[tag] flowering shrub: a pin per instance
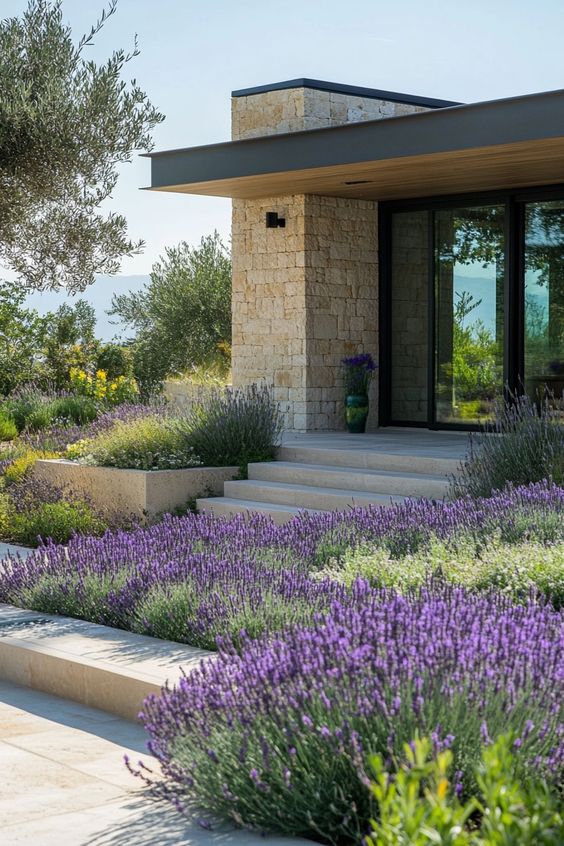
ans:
(533, 511)
(235, 426)
(147, 443)
(276, 736)
(230, 427)
(32, 510)
(169, 582)
(99, 387)
(59, 435)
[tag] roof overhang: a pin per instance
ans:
(514, 142)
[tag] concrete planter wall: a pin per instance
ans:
(126, 493)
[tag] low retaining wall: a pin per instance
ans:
(139, 493)
(98, 666)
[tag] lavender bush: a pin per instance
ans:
(163, 581)
(233, 427)
(192, 578)
(524, 443)
(276, 736)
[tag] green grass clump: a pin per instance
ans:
(8, 428)
(57, 521)
(150, 443)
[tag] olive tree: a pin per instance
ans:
(66, 124)
(182, 317)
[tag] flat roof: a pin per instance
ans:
(351, 90)
(493, 144)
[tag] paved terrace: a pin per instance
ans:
(395, 441)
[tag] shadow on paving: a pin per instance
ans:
(73, 715)
(151, 822)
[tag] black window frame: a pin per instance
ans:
(514, 291)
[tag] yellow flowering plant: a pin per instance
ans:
(98, 387)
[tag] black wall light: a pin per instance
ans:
(273, 221)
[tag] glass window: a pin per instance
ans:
(469, 312)
(544, 299)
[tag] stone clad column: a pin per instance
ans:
(306, 295)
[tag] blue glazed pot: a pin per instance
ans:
(356, 412)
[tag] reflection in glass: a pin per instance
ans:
(469, 312)
(544, 299)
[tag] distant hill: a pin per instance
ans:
(99, 295)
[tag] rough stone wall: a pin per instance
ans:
(304, 297)
(341, 277)
(295, 109)
(269, 309)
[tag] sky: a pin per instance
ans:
(195, 52)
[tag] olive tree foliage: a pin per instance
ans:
(66, 124)
(182, 317)
(22, 332)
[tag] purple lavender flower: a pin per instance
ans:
(357, 373)
(363, 360)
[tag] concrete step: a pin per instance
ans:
(370, 459)
(223, 506)
(309, 497)
(359, 480)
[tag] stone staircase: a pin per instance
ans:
(307, 478)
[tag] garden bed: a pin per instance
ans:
(121, 493)
(347, 643)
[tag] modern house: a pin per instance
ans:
(427, 232)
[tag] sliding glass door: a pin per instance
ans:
(472, 302)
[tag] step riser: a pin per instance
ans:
(369, 460)
(303, 497)
(357, 481)
(227, 509)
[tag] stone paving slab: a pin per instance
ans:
(11, 549)
(97, 665)
(64, 782)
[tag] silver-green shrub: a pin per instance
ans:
(149, 443)
(515, 569)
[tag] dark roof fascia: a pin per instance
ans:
(351, 90)
(526, 118)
